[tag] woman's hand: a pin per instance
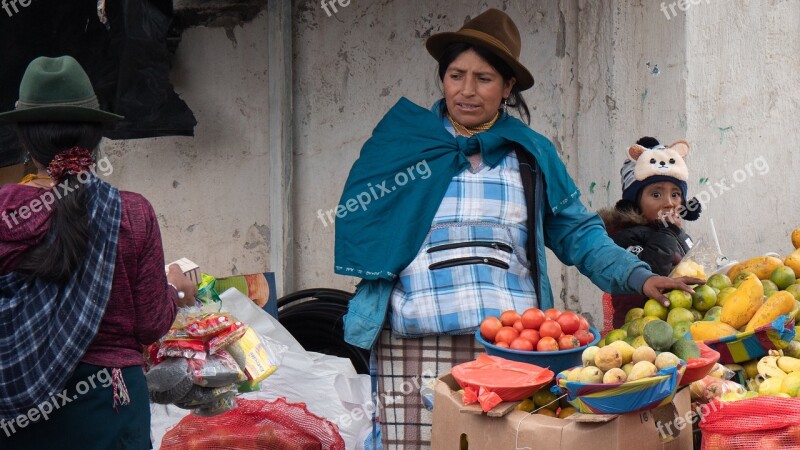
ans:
(655, 285)
(183, 284)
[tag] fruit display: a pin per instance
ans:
(546, 403)
(536, 330)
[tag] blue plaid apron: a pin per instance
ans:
(473, 261)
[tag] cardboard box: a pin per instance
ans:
(520, 430)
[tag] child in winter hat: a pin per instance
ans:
(648, 220)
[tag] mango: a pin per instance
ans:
(761, 266)
(793, 261)
(709, 331)
(742, 305)
(777, 304)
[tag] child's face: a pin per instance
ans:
(659, 200)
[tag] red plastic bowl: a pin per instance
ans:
(511, 380)
(697, 368)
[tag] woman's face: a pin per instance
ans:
(473, 89)
(660, 200)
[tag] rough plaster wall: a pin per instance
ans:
(743, 109)
(350, 68)
(210, 191)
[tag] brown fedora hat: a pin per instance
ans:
(495, 31)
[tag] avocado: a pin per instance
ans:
(685, 349)
(658, 335)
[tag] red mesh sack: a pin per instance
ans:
(608, 314)
(255, 424)
(754, 423)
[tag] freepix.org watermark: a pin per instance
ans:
(668, 8)
(42, 411)
(8, 5)
(332, 5)
(375, 192)
(758, 166)
(49, 197)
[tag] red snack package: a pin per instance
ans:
(227, 337)
(208, 324)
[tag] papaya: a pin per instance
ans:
(708, 331)
(761, 266)
(793, 261)
(742, 305)
(777, 304)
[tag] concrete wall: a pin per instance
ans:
(210, 191)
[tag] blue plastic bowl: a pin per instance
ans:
(555, 361)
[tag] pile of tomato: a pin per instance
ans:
(537, 330)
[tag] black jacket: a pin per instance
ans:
(661, 247)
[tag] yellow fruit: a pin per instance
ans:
(791, 384)
(627, 369)
(633, 314)
(625, 350)
(788, 364)
(638, 341)
(704, 298)
(543, 397)
(587, 357)
(750, 369)
(642, 369)
(679, 315)
(724, 295)
(644, 354)
(761, 266)
(615, 335)
(783, 277)
(688, 268)
(574, 374)
(566, 412)
(777, 304)
(743, 304)
(525, 405)
(653, 307)
(719, 281)
(794, 290)
(666, 359)
(796, 238)
(608, 357)
(614, 375)
(591, 374)
(679, 299)
(707, 331)
(793, 261)
(546, 412)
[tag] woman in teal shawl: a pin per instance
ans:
(438, 220)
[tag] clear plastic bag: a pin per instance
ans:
(217, 370)
(701, 261)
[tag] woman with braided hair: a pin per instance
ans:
(82, 282)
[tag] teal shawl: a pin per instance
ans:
(395, 187)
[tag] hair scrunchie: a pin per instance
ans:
(70, 162)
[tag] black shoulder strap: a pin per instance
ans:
(532, 184)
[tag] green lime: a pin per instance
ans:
(697, 314)
(769, 287)
(719, 281)
(680, 329)
(679, 299)
(794, 290)
(704, 298)
(633, 314)
(616, 335)
(679, 315)
(782, 276)
(724, 294)
(545, 398)
(654, 308)
(638, 341)
(712, 315)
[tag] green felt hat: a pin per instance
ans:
(56, 90)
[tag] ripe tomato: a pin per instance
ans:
(569, 321)
(521, 343)
(584, 323)
(509, 317)
(532, 318)
(568, 341)
(501, 344)
(506, 334)
(550, 328)
(518, 326)
(547, 344)
(531, 335)
(584, 336)
(489, 328)
(552, 313)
